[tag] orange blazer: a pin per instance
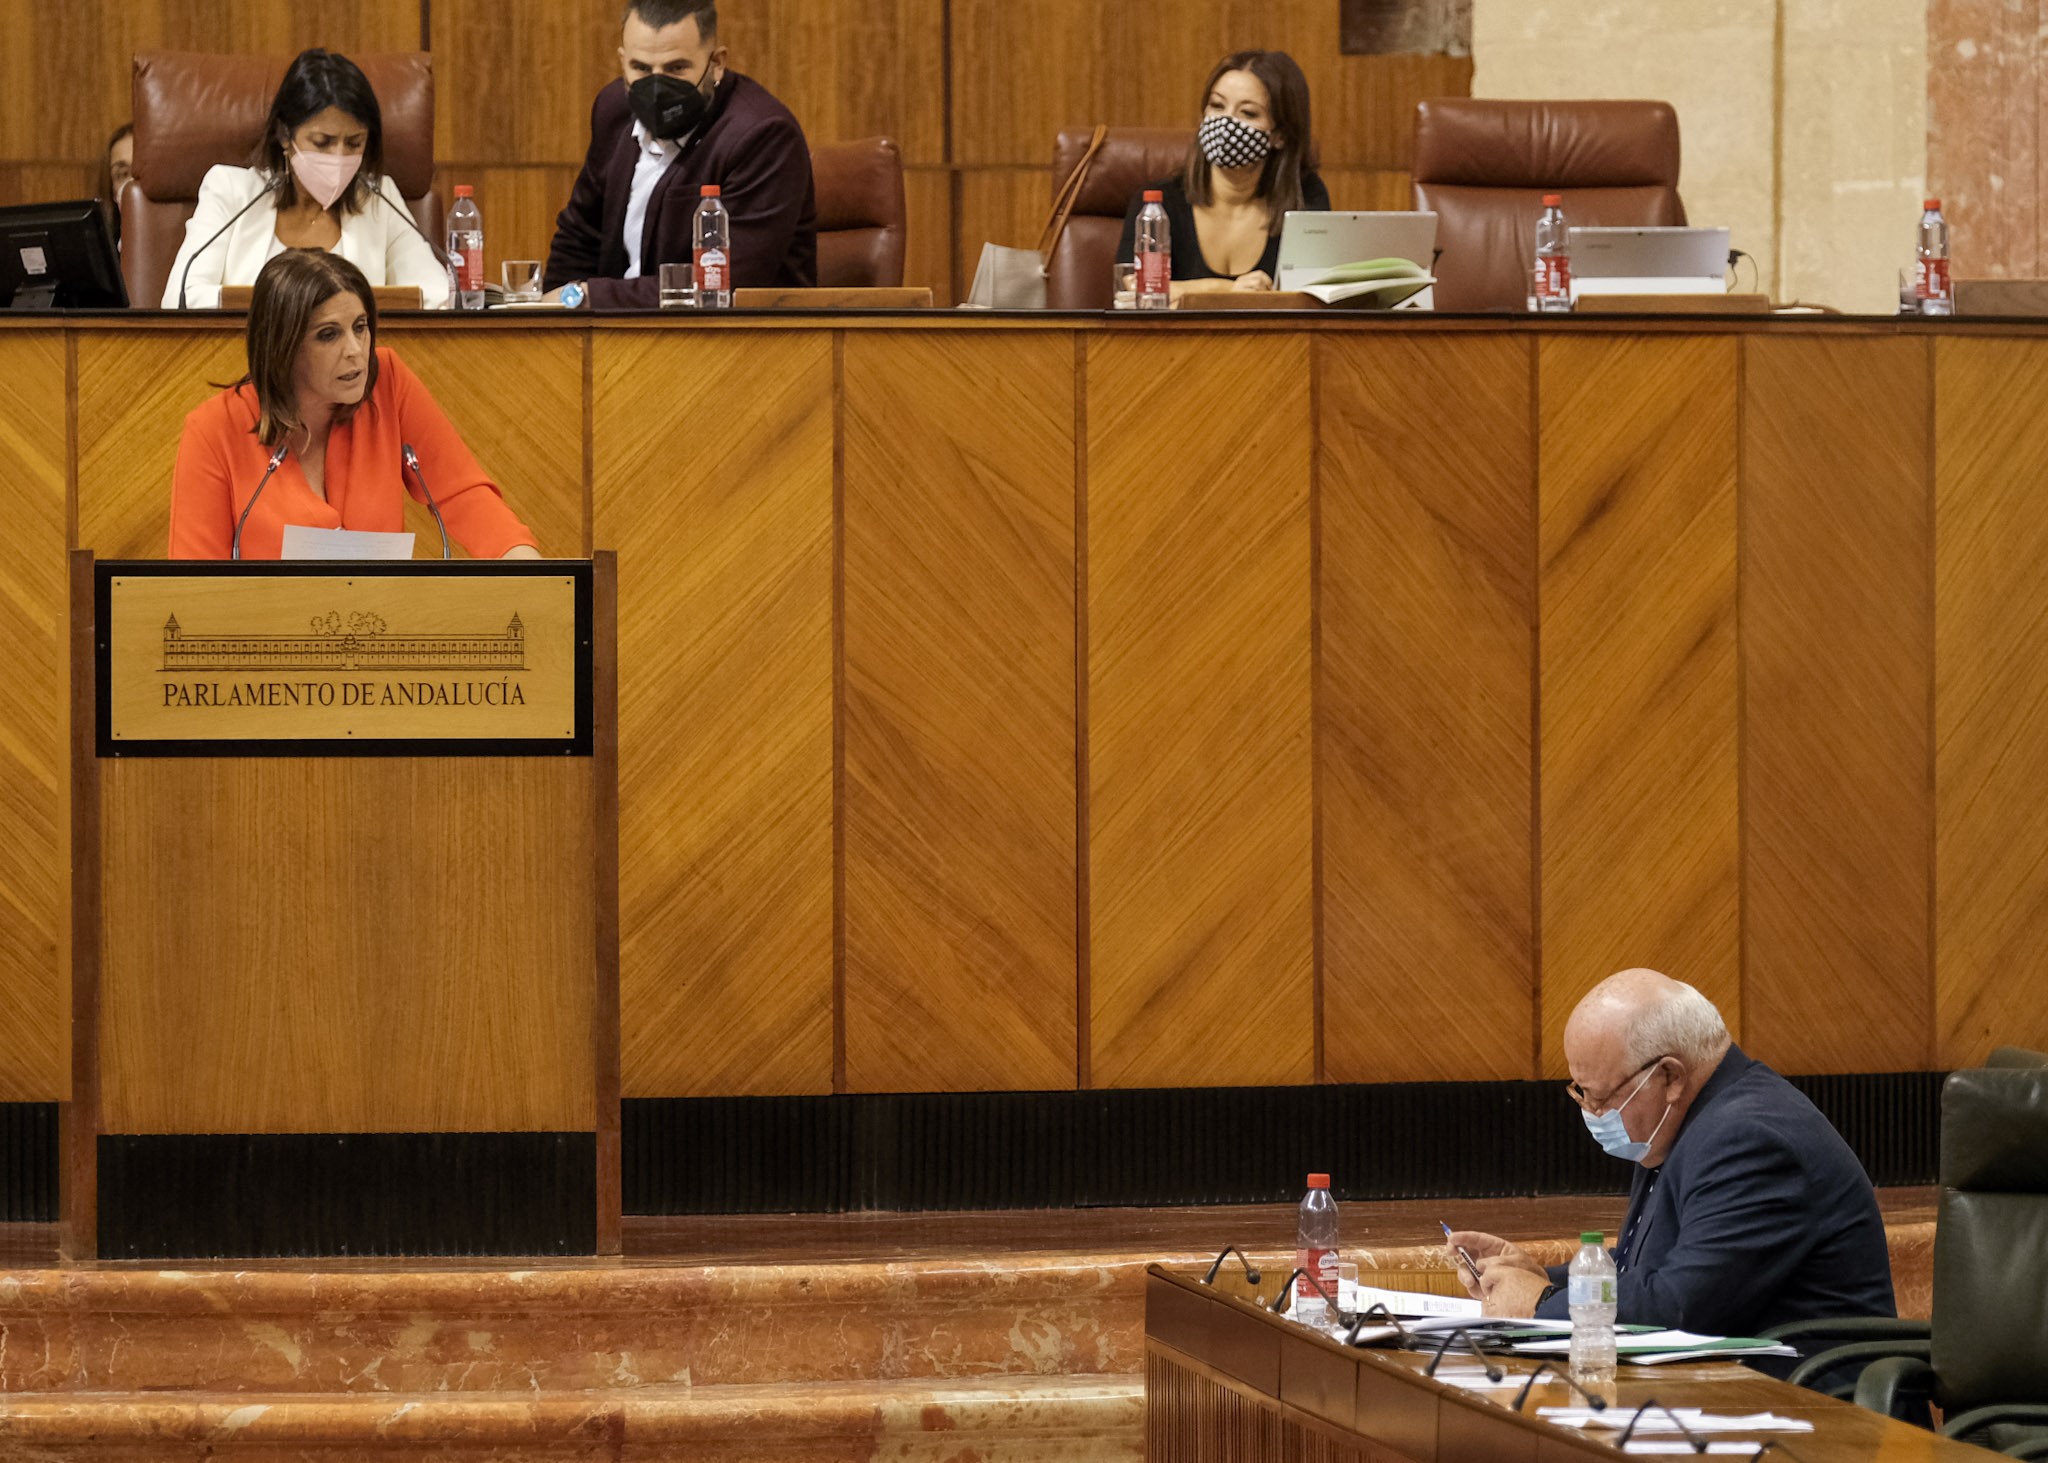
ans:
(220, 463)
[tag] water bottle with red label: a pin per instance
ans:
(1930, 269)
(1153, 254)
(466, 250)
(1553, 257)
(711, 257)
(1315, 1254)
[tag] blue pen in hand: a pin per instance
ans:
(1462, 1253)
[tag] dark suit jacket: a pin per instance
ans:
(751, 147)
(1760, 1215)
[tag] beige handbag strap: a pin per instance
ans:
(1069, 194)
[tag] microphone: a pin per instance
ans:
(412, 462)
(1251, 1275)
(1377, 1312)
(1493, 1373)
(186, 278)
(1286, 1296)
(1598, 1404)
(1699, 1444)
(276, 459)
(410, 222)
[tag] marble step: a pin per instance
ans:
(1082, 1419)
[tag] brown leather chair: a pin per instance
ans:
(194, 112)
(1078, 277)
(862, 221)
(1483, 167)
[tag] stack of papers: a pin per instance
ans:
(1653, 1348)
(1375, 283)
(1657, 1420)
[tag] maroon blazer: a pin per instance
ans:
(751, 147)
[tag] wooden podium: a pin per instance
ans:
(344, 928)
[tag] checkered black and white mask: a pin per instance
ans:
(1229, 143)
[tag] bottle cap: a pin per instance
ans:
(1592, 1237)
(1319, 1181)
(463, 190)
(1932, 205)
(709, 190)
(1153, 195)
(1553, 200)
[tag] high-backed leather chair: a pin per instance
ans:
(862, 228)
(1983, 1355)
(194, 112)
(1483, 167)
(1078, 277)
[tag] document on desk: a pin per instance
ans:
(1654, 1348)
(348, 544)
(1454, 1310)
(1657, 1420)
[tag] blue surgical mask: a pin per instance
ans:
(1611, 1133)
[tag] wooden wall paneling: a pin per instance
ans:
(1201, 829)
(46, 182)
(714, 480)
(1370, 189)
(1991, 696)
(135, 389)
(960, 712)
(928, 256)
(34, 764)
(1637, 699)
(481, 935)
(1837, 654)
(850, 71)
(1006, 206)
(517, 399)
(1424, 706)
(513, 84)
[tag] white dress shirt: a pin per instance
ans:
(377, 241)
(656, 154)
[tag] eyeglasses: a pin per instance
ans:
(1579, 1095)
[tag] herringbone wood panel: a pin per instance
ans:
(34, 1005)
(714, 480)
(135, 389)
(1200, 748)
(959, 803)
(1424, 706)
(1837, 653)
(522, 418)
(1991, 697)
(1638, 691)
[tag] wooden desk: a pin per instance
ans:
(1032, 703)
(1224, 1379)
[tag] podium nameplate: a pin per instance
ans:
(425, 659)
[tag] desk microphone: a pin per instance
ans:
(1699, 1444)
(1598, 1404)
(1377, 1311)
(1286, 1296)
(412, 463)
(186, 278)
(410, 222)
(276, 459)
(1251, 1275)
(1461, 1335)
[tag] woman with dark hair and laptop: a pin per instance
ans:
(316, 181)
(1253, 163)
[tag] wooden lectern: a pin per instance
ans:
(344, 938)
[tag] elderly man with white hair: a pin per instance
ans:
(1748, 1210)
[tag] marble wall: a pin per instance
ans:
(1804, 121)
(1985, 103)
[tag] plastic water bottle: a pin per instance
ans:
(1553, 257)
(1930, 270)
(1315, 1252)
(1590, 1290)
(711, 251)
(466, 249)
(1153, 255)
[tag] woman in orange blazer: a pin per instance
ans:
(336, 414)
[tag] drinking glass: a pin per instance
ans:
(1124, 286)
(521, 278)
(678, 287)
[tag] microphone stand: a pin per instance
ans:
(1486, 1363)
(412, 223)
(1286, 1296)
(412, 462)
(1699, 1444)
(276, 459)
(186, 278)
(1377, 1312)
(1598, 1404)
(1250, 1274)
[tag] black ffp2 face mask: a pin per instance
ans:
(668, 107)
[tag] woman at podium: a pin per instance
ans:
(326, 431)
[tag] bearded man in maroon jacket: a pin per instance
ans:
(677, 119)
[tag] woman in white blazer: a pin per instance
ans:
(317, 181)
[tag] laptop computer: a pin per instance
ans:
(1313, 244)
(1649, 261)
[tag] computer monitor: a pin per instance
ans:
(59, 256)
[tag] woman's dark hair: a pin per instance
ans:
(1287, 165)
(110, 202)
(289, 290)
(316, 81)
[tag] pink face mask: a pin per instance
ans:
(325, 175)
